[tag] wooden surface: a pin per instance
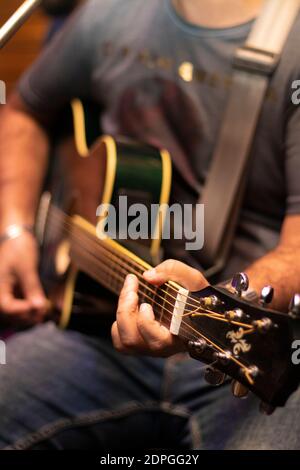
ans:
(24, 46)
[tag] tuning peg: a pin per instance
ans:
(240, 283)
(214, 377)
(235, 314)
(239, 390)
(253, 371)
(294, 308)
(223, 357)
(266, 295)
(263, 325)
(198, 346)
(211, 302)
(266, 409)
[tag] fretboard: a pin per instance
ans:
(109, 263)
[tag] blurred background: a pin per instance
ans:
(41, 26)
(21, 50)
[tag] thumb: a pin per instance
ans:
(156, 336)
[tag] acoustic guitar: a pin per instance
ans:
(83, 269)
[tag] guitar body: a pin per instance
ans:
(89, 173)
(86, 254)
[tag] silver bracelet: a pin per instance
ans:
(15, 231)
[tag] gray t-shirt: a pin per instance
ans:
(163, 81)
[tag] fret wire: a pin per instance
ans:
(169, 313)
(127, 260)
(175, 290)
(210, 341)
(116, 274)
(191, 333)
(113, 256)
(162, 296)
(197, 303)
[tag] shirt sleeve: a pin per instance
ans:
(292, 162)
(63, 70)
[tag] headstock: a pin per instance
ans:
(246, 341)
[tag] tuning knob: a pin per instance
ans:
(240, 283)
(266, 409)
(211, 302)
(239, 390)
(266, 295)
(263, 325)
(223, 357)
(198, 346)
(236, 314)
(294, 308)
(214, 376)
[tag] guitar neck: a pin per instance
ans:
(220, 328)
(109, 263)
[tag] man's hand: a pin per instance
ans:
(136, 331)
(24, 146)
(22, 300)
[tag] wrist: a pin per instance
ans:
(15, 218)
(14, 231)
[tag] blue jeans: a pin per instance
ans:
(65, 390)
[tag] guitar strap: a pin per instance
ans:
(254, 64)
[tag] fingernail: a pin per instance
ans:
(151, 273)
(128, 279)
(38, 302)
(144, 308)
(147, 312)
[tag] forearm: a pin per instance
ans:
(281, 267)
(23, 161)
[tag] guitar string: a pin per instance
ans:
(199, 311)
(170, 313)
(209, 341)
(108, 270)
(107, 267)
(196, 301)
(103, 246)
(196, 335)
(113, 273)
(196, 305)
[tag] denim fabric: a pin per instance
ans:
(64, 390)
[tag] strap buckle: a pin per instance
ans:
(254, 60)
